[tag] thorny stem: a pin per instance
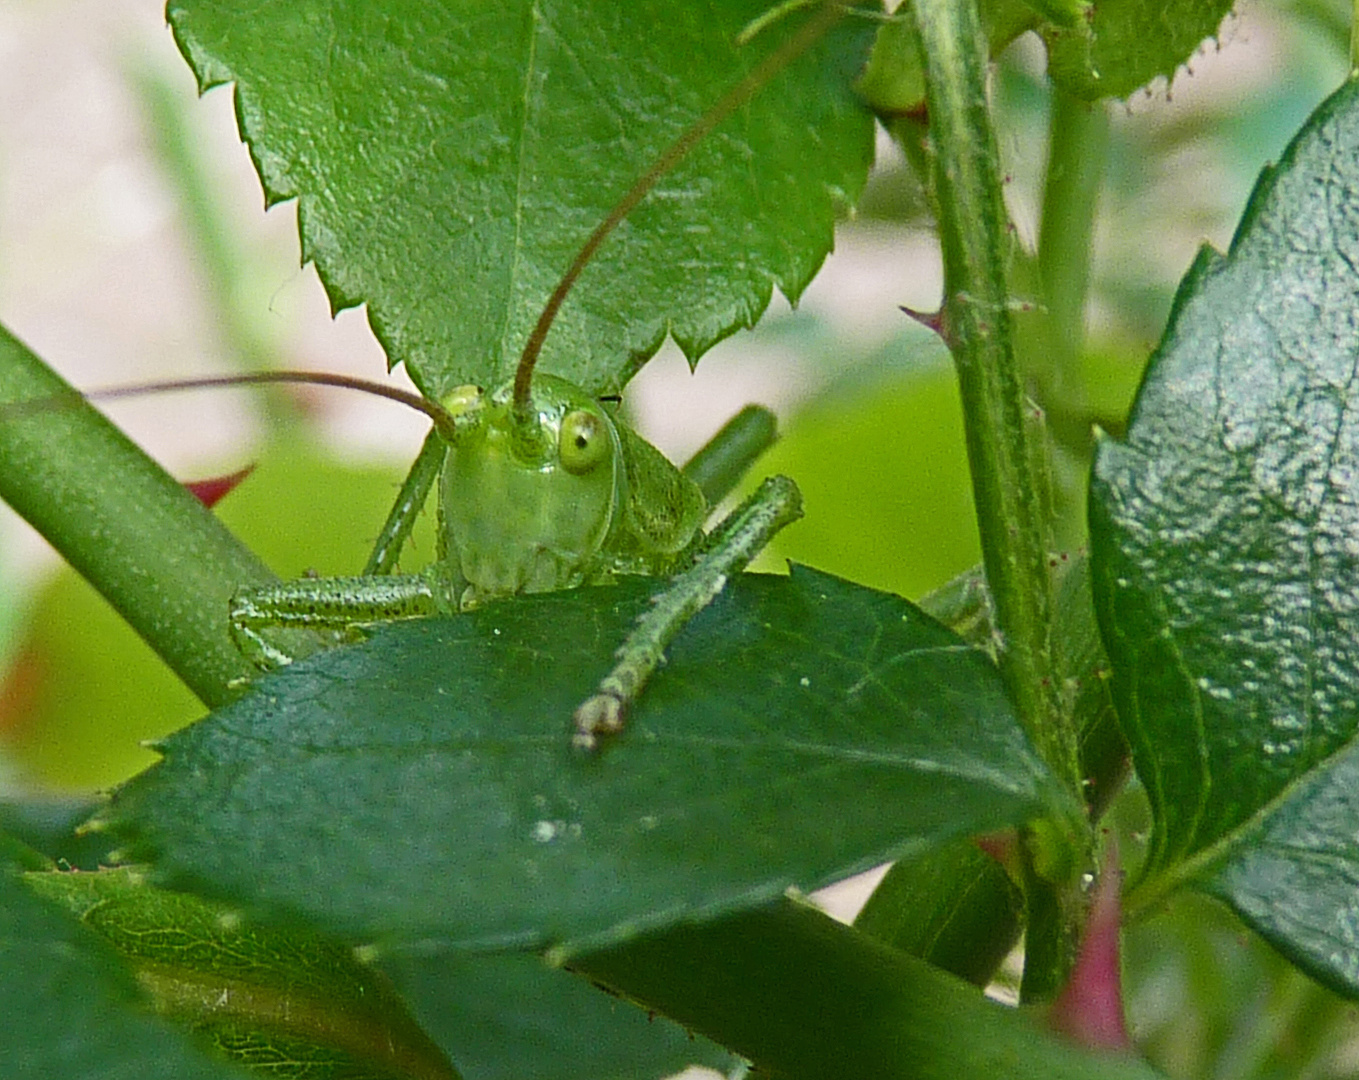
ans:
(1007, 493)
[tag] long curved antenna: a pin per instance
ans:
(443, 419)
(733, 99)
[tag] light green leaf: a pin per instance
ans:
(1124, 44)
(803, 729)
(449, 159)
(1225, 566)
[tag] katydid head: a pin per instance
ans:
(518, 514)
(541, 489)
(530, 519)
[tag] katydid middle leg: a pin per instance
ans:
(338, 604)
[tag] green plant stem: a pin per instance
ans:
(1354, 37)
(976, 324)
(807, 998)
(161, 559)
(1078, 136)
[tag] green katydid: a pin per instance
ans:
(541, 487)
(571, 497)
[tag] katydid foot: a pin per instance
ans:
(777, 502)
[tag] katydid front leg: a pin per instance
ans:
(729, 549)
(420, 481)
(461, 405)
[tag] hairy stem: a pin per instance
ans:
(1007, 491)
(163, 561)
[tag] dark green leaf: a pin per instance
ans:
(449, 159)
(511, 1016)
(1127, 43)
(803, 729)
(808, 998)
(68, 1009)
(51, 826)
(16, 854)
(1084, 670)
(1226, 567)
(292, 1003)
(955, 907)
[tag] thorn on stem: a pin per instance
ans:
(918, 113)
(214, 489)
(930, 320)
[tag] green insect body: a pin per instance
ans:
(563, 496)
(586, 500)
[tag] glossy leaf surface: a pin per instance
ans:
(510, 1016)
(808, 998)
(1226, 569)
(955, 907)
(803, 729)
(450, 159)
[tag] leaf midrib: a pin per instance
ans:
(1148, 895)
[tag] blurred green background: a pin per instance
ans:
(133, 244)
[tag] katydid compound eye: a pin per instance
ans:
(462, 399)
(583, 442)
